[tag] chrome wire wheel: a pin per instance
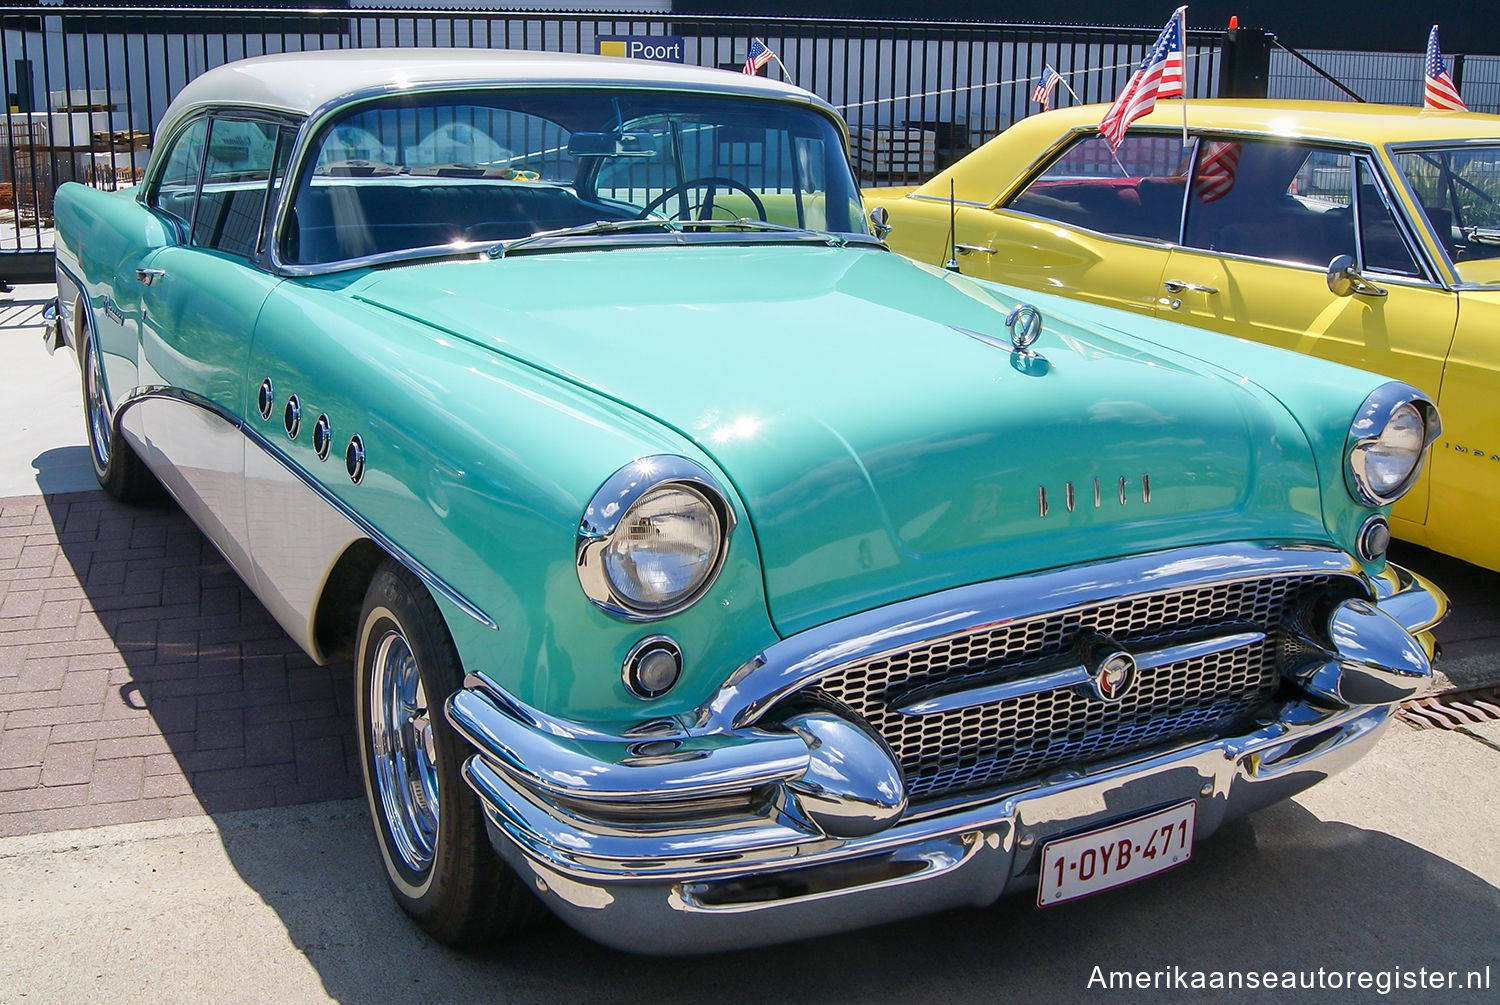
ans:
(440, 866)
(96, 407)
(404, 756)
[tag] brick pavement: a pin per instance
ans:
(140, 679)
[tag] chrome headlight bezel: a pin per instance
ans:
(607, 511)
(1371, 423)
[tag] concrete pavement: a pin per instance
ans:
(42, 447)
(1391, 865)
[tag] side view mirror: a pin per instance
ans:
(880, 222)
(1344, 279)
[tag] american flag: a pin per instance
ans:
(1162, 68)
(758, 57)
(1439, 91)
(1216, 168)
(1045, 85)
(1171, 71)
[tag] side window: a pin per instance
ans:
(178, 183)
(1279, 201)
(1137, 192)
(1382, 248)
(243, 157)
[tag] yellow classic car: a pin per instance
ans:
(1366, 234)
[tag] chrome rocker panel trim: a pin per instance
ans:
(708, 831)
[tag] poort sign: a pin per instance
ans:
(661, 48)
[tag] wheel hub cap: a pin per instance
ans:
(404, 753)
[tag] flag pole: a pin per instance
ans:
(780, 65)
(1182, 32)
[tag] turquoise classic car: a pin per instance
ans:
(713, 575)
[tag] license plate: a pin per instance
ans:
(1113, 856)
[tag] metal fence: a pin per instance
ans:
(87, 86)
(1393, 78)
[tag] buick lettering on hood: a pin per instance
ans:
(712, 575)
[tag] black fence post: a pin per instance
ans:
(1245, 66)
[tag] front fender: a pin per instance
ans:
(479, 468)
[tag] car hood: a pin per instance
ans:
(880, 449)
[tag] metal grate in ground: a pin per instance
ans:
(1453, 709)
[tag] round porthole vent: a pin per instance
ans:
(267, 399)
(291, 417)
(322, 436)
(354, 459)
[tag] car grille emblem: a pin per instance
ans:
(1112, 670)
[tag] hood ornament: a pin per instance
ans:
(1025, 324)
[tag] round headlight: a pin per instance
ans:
(1389, 439)
(653, 538)
(664, 549)
(1391, 457)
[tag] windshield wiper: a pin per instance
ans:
(663, 223)
(597, 227)
(746, 223)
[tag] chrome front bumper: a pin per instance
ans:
(694, 837)
(52, 333)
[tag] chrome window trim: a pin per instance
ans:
(796, 662)
(613, 500)
(279, 117)
(151, 184)
(1369, 422)
(366, 528)
(315, 121)
(941, 199)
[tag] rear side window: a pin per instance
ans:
(177, 186)
(1135, 192)
(243, 158)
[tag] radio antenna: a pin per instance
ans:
(952, 263)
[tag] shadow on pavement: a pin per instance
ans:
(1281, 891)
(63, 469)
(208, 698)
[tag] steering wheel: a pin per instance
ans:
(704, 210)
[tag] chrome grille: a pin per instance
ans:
(1020, 737)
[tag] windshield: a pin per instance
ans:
(441, 170)
(1459, 189)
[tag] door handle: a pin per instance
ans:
(969, 249)
(1178, 286)
(149, 276)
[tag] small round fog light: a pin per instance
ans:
(652, 667)
(1374, 538)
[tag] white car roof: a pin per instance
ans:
(300, 83)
